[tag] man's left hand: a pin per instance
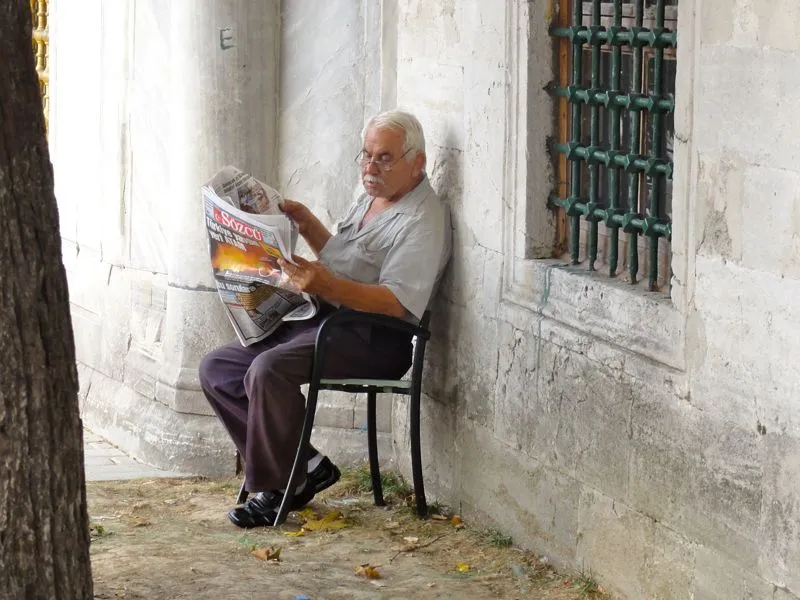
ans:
(310, 277)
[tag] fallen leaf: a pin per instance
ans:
(438, 517)
(391, 525)
(378, 584)
(141, 523)
(368, 571)
(463, 567)
(268, 553)
(298, 533)
(431, 584)
(457, 522)
(411, 540)
(333, 520)
(307, 514)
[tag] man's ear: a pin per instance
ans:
(419, 163)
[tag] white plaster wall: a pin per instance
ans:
(322, 97)
(661, 453)
(331, 82)
(146, 106)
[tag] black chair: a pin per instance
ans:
(372, 387)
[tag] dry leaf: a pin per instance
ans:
(411, 540)
(368, 571)
(268, 553)
(463, 567)
(391, 525)
(297, 533)
(141, 522)
(457, 522)
(333, 520)
(307, 514)
(438, 517)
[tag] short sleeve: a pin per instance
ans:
(411, 267)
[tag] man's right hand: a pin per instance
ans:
(309, 226)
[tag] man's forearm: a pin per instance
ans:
(316, 236)
(364, 297)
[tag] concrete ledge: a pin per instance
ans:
(151, 432)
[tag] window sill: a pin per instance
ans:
(613, 312)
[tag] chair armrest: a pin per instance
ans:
(343, 317)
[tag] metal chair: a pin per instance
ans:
(372, 387)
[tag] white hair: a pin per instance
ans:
(414, 141)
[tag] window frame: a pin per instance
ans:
(649, 218)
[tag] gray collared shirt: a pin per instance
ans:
(405, 248)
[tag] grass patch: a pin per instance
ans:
(97, 532)
(357, 481)
(391, 483)
(495, 537)
(585, 584)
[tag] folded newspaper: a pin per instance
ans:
(247, 234)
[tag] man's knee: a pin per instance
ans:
(274, 365)
(209, 365)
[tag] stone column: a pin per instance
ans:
(149, 99)
(223, 103)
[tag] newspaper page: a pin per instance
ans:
(247, 234)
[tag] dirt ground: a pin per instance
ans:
(170, 538)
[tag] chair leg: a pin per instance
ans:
(372, 441)
(243, 493)
(416, 456)
(300, 457)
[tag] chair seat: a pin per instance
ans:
(382, 384)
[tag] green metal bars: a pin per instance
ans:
(618, 168)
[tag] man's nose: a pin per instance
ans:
(372, 168)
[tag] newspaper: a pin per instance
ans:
(247, 234)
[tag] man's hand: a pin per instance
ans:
(308, 225)
(314, 278)
(299, 213)
(311, 277)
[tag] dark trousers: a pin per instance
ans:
(255, 390)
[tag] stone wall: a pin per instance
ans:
(335, 74)
(148, 100)
(146, 105)
(653, 440)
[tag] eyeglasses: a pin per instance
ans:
(363, 159)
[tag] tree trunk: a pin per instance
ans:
(44, 534)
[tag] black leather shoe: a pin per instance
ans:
(258, 511)
(324, 476)
(262, 508)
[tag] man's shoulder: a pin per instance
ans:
(427, 201)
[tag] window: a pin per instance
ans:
(39, 10)
(613, 150)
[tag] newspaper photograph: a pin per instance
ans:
(247, 234)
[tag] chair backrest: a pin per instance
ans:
(419, 342)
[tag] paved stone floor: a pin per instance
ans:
(105, 462)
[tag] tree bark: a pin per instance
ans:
(44, 534)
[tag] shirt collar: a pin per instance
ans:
(408, 204)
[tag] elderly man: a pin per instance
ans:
(386, 257)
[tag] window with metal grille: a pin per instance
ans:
(613, 150)
(41, 40)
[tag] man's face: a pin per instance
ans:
(386, 146)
